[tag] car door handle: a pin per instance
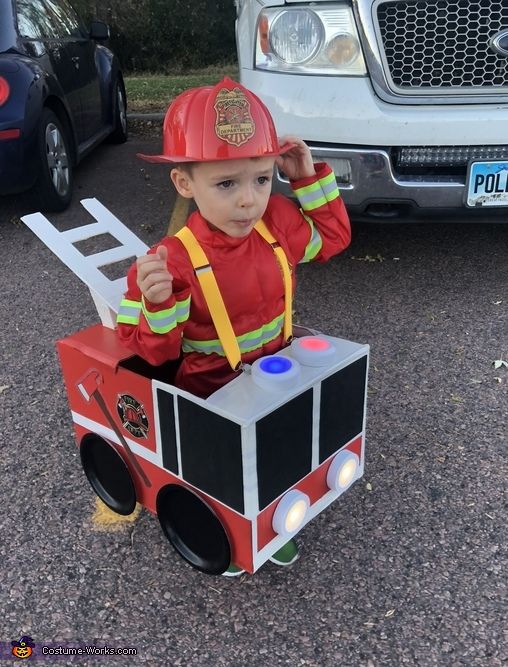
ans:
(75, 60)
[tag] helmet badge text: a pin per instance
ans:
(234, 123)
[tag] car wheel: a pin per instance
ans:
(120, 131)
(53, 189)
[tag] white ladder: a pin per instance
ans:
(106, 293)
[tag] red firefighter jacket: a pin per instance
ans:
(249, 279)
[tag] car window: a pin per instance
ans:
(48, 19)
(67, 21)
(34, 21)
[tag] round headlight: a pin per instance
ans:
(290, 513)
(342, 50)
(343, 471)
(296, 36)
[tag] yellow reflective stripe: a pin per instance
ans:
(247, 342)
(128, 312)
(307, 189)
(204, 346)
(310, 206)
(329, 187)
(311, 196)
(164, 321)
(314, 245)
(260, 336)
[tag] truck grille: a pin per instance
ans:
(443, 44)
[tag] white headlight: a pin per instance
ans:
(290, 513)
(343, 471)
(321, 40)
(295, 36)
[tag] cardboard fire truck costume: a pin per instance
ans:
(232, 477)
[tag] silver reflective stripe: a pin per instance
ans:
(205, 347)
(163, 321)
(128, 312)
(330, 190)
(312, 200)
(314, 245)
(247, 342)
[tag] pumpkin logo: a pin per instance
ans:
(24, 648)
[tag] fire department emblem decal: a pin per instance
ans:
(132, 415)
(234, 123)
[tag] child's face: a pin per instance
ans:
(231, 195)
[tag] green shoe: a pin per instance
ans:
(233, 571)
(286, 555)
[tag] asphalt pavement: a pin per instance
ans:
(407, 569)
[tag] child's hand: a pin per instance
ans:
(154, 279)
(297, 162)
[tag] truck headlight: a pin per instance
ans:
(295, 36)
(343, 471)
(290, 513)
(309, 41)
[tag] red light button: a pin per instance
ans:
(312, 350)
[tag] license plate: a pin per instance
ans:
(487, 184)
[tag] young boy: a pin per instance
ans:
(222, 146)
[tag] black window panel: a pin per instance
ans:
(284, 447)
(211, 449)
(342, 406)
(165, 401)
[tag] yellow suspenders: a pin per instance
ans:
(263, 231)
(213, 298)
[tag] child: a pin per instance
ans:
(222, 146)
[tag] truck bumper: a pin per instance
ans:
(371, 189)
(341, 118)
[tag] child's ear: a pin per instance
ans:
(182, 182)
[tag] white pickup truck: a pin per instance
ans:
(406, 99)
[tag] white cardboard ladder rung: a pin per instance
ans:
(106, 293)
(84, 232)
(110, 256)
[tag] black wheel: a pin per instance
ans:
(120, 131)
(53, 189)
(108, 474)
(193, 529)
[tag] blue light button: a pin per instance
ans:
(276, 373)
(275, 365)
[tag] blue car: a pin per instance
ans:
(61, 94)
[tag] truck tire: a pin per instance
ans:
(193, 529)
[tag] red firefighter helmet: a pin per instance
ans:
(222, 122)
